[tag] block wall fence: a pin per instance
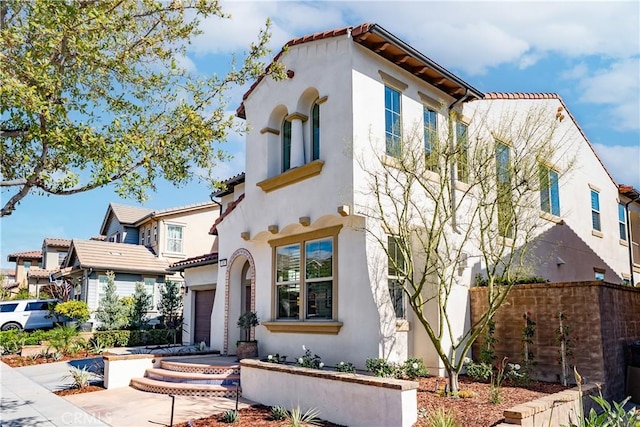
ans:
(603, 319)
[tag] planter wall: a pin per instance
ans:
(120, 369)
(603, 319)
(347, 399)
(558, 409)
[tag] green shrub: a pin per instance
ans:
(346, 367)
(480, 372)
(440, 418)
(11, 342)
(62, 338)
(278, 413)
(80, 378)
(75, 310)
(414, 368)
(379, 367)
(230, 416)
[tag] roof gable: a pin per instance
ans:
(383, 43)
(101, 255)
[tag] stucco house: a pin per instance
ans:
(291, 242)
(25, 261)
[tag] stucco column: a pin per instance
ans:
(297, 139)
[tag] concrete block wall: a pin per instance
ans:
(602, 318)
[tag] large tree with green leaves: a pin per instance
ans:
(93, 93)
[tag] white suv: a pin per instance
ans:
(27, 314)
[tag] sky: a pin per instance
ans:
(587, 52)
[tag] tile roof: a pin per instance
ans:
(229, 184)
(230, 207)
(177, 210)
(57, 242)
(116, 256)
(40, 273)
(25, 255)
(10, 285)
(629, 191)
(196, 261)
(526, 95)
(129, 214)
(385, 44)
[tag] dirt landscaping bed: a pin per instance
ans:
(476, 411)
(16, 361)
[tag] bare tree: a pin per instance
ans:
(445, 204)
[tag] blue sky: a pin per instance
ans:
(587, 52)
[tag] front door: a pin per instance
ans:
(202, 316)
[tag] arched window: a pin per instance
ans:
(315, 132)
(286, 145)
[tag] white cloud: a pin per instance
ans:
(622, 162)
(618, 87)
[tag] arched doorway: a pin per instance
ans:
(240, 295)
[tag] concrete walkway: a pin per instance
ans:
(26, 403)
(27, 400)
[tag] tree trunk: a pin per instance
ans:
(453, 381)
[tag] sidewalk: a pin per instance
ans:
(27, 400)
(26, 403)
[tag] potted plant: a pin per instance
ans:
(77, 313)
(246, 346)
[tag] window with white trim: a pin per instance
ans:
(595, 210)
(462, 151)
(622, 222)
(175, 235)
(150, 289)
(392, 121)
(396, 273)
(549, 192)
(430, 138)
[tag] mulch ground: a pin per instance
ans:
(16, 361)
(476, 411)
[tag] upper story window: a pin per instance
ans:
(396, 273)
(175, 235)
(595, 210)
(155, 234)
(430, 139)
(148, 236)
(462, 149)
(115, 237)
(315, 132)
(305, 279)
(504, 195)
(286, 145)
(61, 257)
(622, 221)
(392, 121)
(549, 193)
(26, 265)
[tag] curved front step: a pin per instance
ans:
(191, 377)
(184, 389)
(200, 368)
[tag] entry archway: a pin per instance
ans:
(240, 294)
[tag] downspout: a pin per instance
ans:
(452, 173)
(629, 240)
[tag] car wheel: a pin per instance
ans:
(11, 326)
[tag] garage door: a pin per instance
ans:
(203, 307)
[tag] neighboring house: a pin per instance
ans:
(54, 252)
(25, 261)
(138, 245)
(9, 284)
(629, 231)
(291, 242)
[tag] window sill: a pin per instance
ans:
(326, 328)
(623, 243)
(551, 217)
(292, 176)
(597, 233)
